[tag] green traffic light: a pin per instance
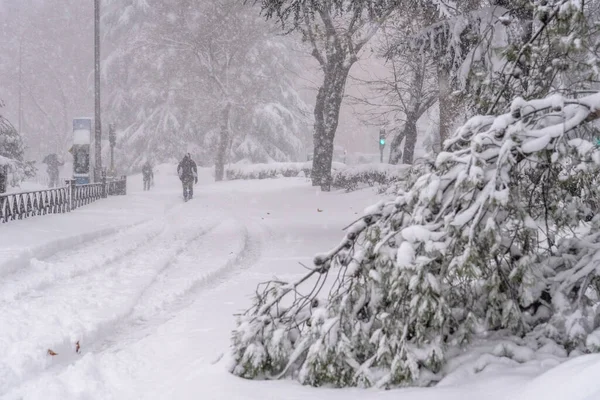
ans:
(382, 141)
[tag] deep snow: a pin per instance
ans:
(148, 286)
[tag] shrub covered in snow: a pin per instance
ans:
(272, 170)
(500, 236)
(344, 177)
(351, 177)
(264, 171)
(12, 152)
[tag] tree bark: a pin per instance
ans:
(447, 105)
(410, 130)
(409, 133)
(223, 144)
(327, 111)
(417, 105)
(317, 171)
(396, 149)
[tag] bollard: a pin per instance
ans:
(123, 184)
(104, 187)
(70, 183)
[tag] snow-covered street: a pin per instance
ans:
(147, 286)
(146, 281)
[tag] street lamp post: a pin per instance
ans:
(98, 116)
(21, 85)
(112, 136)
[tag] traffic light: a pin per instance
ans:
(381, 144)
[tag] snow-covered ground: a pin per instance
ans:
(147, 286)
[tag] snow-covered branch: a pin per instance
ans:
(496, 237)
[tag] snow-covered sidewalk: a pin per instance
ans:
(147, 286)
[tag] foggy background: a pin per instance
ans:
(46, 76)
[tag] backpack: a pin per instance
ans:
(146, 170)
(187, 168)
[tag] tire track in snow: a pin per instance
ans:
(16, 263)
(145, 317)
(23, 344)
(91, 251)
(12, 265)
(41, 274)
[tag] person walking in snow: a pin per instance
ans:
(148, 175)
(54, 164)
(188, 174)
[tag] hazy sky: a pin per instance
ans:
(41, 105)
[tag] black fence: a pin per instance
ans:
(14, 206)
(117, 187)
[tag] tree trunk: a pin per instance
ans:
(317, 171)
(66, 123)
(410, 130)
(417, 105)
(396, 149)
(327, 112)
(446, 104)
(525, 16)
(223, 144)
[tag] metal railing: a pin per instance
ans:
(14, 206)
(28, 204)
(86, 194)
(117, 187)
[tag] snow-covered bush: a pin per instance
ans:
(272, 170)
(12, 154)
(264, 171)
(351, 177)
(502, 235)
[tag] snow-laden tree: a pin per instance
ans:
(207, 77)
(489, 52)
(399, 97)
(336, 31)
(501, 234)
(12, 154)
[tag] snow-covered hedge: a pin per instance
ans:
(351, 177)
(343, 176)
(272, 170)
(265, 171)
(499, 236)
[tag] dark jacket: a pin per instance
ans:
(147, 171)
(187, 169)
(53, 163)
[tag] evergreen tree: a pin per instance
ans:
(180, 86)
